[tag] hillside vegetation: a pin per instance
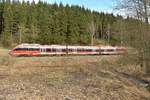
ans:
(51, 23)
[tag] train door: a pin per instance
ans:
(59, 51)
(43, 51)
(75, 50)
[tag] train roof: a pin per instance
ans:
(26, 45)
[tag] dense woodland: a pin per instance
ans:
(52, 23)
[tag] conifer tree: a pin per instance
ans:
(50, 23)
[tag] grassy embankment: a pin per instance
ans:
(77, 78)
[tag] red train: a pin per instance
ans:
(50, 50)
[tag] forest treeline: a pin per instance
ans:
(25, 22)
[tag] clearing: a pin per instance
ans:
(68, 78)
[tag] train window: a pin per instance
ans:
(64, 50)
(33, 49)
(88, 50)
(30, 49)
(102, 50)
(17, 49)
(120, 49)
(79, 50)
(70, 50)
(82, 50)
(20, 49)
(74, 50)
(110, 50)
(42, 49)
(54, 50)
(97, 50)
(37, 49)
(48, 50)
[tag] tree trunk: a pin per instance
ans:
(145, 10)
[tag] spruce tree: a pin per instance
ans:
(50, 23)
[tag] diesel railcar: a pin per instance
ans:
(52, 50)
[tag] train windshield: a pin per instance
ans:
(29, 49)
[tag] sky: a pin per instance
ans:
(97, 5)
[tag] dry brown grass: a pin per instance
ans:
(60, 78)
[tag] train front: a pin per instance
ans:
(15, 51)
(12, 52)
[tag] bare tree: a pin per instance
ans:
(135, 8)
(108, 32)
(139, 34)
(21, 32)
(92, 29)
